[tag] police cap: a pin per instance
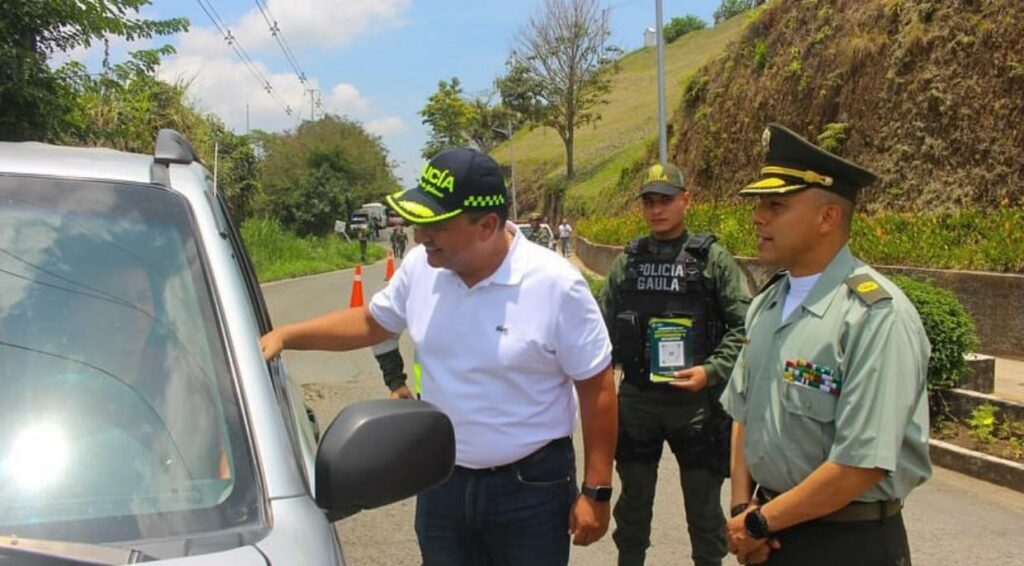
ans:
(793, 164)
(663, 179)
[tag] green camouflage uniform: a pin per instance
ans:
(540, 236)
(654, 415)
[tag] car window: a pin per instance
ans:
(287, 394)
(119, 419)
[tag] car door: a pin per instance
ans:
(298, 418)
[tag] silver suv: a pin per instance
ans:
(138, 420)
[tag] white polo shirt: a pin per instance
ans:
(499, 358)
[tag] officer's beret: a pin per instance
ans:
(792, 164)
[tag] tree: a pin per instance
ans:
(519, 90)
(448, 115)
(678, 27)
(730, 8)
(321, 172)
(563, 54)
(37, 99)
(456, 121)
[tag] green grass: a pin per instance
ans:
(280, 254)
(627, 127)
(983, 240)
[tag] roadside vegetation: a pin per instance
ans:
(980, 240)
(286, 189)
(279, 254)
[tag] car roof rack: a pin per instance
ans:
(171, 147)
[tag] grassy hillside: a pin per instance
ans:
(928, 94)
(624, 134)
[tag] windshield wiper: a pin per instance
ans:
(71, 552)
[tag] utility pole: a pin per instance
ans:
(246, 118)
(313, 94)
(507, 134)
(662, 133)
(216, 156)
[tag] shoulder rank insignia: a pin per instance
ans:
(865, 287)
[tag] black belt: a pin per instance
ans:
(856, 511)
(510, 465)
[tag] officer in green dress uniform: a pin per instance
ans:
(828, 397)
(673, 275)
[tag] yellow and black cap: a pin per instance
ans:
(793, 164)
(663, 179)
(454, 181)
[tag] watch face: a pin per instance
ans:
(602, 493)
(755, 525)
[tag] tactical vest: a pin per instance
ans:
(665, 288)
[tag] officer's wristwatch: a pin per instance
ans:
(756, 525)
(600, 493)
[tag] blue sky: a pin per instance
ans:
(375, 61)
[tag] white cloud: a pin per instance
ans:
(318, 23)
(386, 126)
(222, 84)
(346, 99)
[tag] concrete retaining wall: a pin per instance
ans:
(994, 300)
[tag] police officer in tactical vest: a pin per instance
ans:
(674, 304)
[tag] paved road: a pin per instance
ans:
(953, 520)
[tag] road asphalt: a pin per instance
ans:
(952, 520)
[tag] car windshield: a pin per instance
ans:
(119, 419)
(526, 229)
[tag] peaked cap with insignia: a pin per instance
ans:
(793, 164)
(663, 179)
(454, 181)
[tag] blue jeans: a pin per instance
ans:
(565, 246)
(514, 515)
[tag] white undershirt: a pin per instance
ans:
(799, 288)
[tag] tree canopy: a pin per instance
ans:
(320, 173)
(37, 99)
(678, 27)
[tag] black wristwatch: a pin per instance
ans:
(600, 493)
(756, 525)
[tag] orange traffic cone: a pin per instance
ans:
(389, 269)
(357, 288)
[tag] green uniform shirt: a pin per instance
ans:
(874, 343)
(732, 295)
(539, 236)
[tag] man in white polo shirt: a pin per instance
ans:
(503, 334)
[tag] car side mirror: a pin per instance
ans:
(381, 451)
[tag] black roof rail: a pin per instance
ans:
(172, 147)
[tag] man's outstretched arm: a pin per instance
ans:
(346, 329)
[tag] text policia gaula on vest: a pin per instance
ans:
(660, 277)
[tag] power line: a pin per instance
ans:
(232, 42)
(282, 42)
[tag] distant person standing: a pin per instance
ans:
(398, 240)
(538, 234)
(564, 233)
(363, 237)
